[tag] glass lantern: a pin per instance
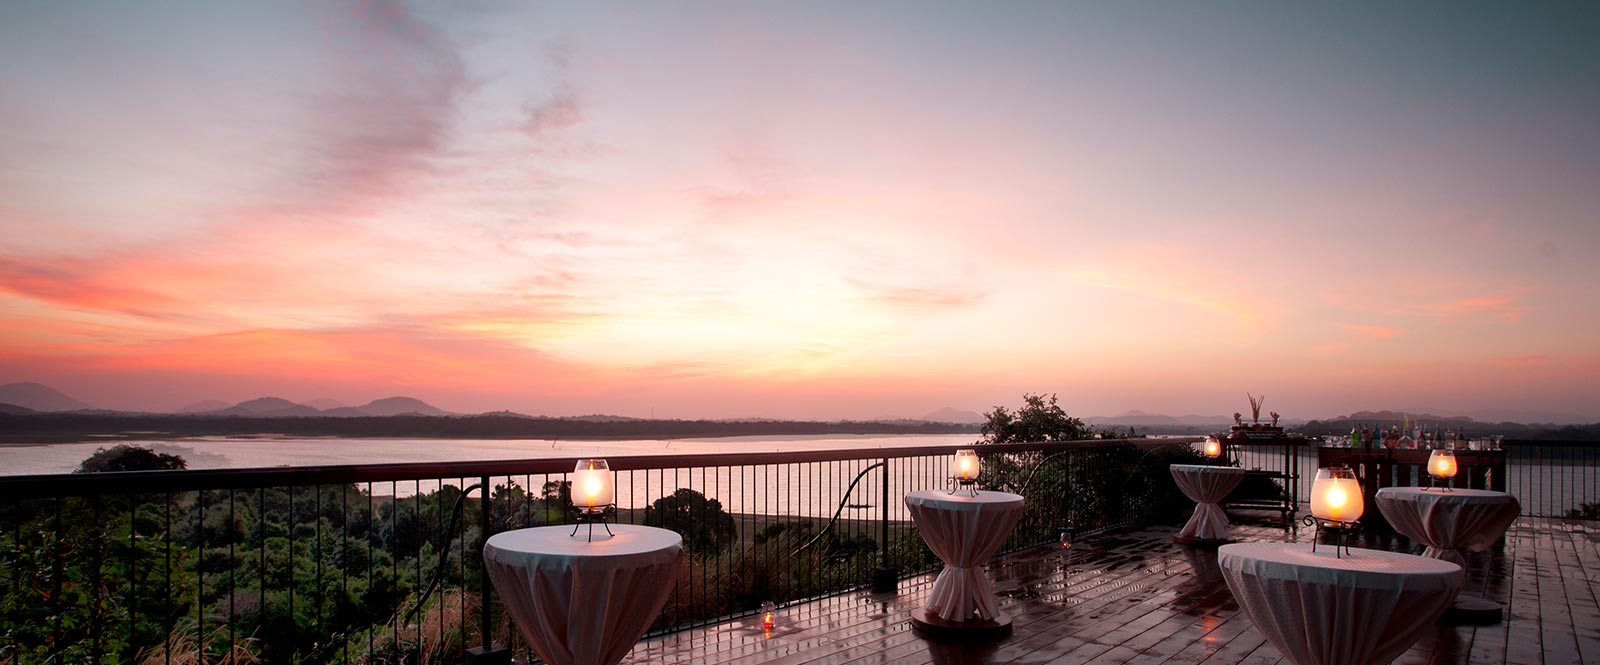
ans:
(1336, 495)
(1336, 505)
(1442, 465)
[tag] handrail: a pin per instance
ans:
(150, 482)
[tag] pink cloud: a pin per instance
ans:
(1374, 332)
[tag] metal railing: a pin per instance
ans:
(1549, 478)
(380, 563)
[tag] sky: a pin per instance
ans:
(804, 210)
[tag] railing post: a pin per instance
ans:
(885, 579)
(487, 653)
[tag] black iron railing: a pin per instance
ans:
(1549, 478)
(380, 563)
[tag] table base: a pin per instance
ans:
(1473, 611)
(980, 629)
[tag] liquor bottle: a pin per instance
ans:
(1355, 436)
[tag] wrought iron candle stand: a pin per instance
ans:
(591, 515)
(964, 471)
(1342, 530)
(958, 483)
(1441, 467)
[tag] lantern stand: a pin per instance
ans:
(591, 515)
(958, 484)
(964, 472)
(1342, 529)
(1336, 504)
(1441, 466)
(593, 483)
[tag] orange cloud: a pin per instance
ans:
(1375, 332)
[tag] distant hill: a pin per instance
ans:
(204, 406)
(269, 407)
(601, 418)
(1135, 419)
(394, 406)
(14, 410)
(323, 404)
(39, 397)
(388, 406)
(950, 415)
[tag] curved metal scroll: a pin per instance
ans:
(842, 502)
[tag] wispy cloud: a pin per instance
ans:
(1370, 331)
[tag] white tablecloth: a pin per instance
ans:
(1364, 609)
(1449, 521)
(964, 531)
(580, 602)
(1206, 485)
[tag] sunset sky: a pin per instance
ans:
(804, 210)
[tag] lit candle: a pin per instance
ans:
(966, 465)
(1213, 447)
(769, 615)
(1442, 464)
(592, 485)
(1336, 495)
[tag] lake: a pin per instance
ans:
(270, 451)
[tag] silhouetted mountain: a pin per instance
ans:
(600, 418)
(269, 407)
(204, 406)
(394, 406)
(1135, 419)
(323, 403)
(38, 397)
(1205, 421)
(949, 415)
(388, 406)
(14, 410)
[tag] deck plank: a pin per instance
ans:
(1136, 598)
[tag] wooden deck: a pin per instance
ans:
(1136, 597)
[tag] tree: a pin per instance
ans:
(701, 521)
(1037, 420)
(126, 457)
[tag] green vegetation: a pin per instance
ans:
(125, 457)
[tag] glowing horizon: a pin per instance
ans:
(820, 211)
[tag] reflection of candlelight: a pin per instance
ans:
(1442, 464)
(1213, 447)
(1336, 495)
(592, 482)
(966, 465)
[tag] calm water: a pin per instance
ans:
(249, 452)
(813, 489)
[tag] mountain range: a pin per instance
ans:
(28, 397)
(23, 398)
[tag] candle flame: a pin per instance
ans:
(1337, 497)
(591, 486)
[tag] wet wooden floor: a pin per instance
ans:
(1136, 597)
